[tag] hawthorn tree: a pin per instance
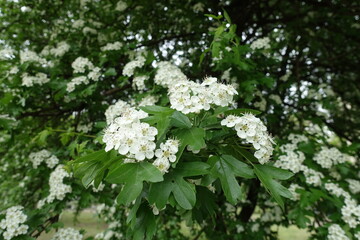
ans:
(231, 117)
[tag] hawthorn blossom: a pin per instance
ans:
(252, 130)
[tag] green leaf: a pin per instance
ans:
(92, 166)
(129, 192)
(159, 193)
(189, 169)
(110, 72)
(157, 109)
(246, 154)
(276, 173)
(274, 188)
(133, 172)
(194, 137)
(145, 224)
(240, 169)
(162, 125)
(133, 175)
(180, 120)
(184, 193)
(227, 17)
(182, 190)
(90, 157)
(226, 173)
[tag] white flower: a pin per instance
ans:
(12, 224)
(112, 46)
(94, 74)
(187, 96)
(58, 189)
(116, 110)
(351, 212)
(120, 6)
(6, 54)
(148, 100)
(292, 189)
(76, 81)
(166, 154)
(90, 30)
(354, 186)
(311, 176)
(60, 50)
(168, 74)
(275, 98)
(39, 78)
(291, 159)
(139, 82)
(67, 234)
(30, 56)
(261, 43)
(81, 64)
(336, 233)
(129, 136)
(43, 156)
(162, 164)
(252, 130)
(285, 77)
(328, 157)
(78, 24)
(334, 189)
(130, 67)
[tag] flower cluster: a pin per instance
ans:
(58, 189)
(6, 53)
(334, 189)
(121, 6)
(292, 159)
(112, 46)
(59, 51)
(275, 98)
(311, 176)
(192, 97)
(129, 68)
(286, 77)
(354, 186)
(30, 56)
(81, 64)
(328, 157)
(130, 137)
(168, 74)
(12, 224)
(335, 232)
(139, 83)
(351, 212)
(109, 213)
(274, 214)
(166, 154)
(261, 43)
(39, 78)
(99, 188)
(254, 131)
(94, 75)
(67, 234)
(148, 100)
(116, 110)
(43, 156)
(292, 188)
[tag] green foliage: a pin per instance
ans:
(66, 67)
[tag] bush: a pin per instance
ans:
(160, 114)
